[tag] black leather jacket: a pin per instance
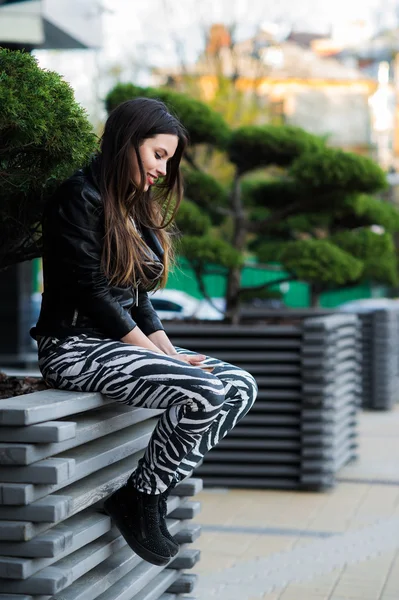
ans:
(77, 297)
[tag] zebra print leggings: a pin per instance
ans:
(201, 407)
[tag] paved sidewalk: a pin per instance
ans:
(342, 544)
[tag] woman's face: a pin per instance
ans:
(155, 153)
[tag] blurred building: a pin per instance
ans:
(297, 86)
(50, 24)
(376, 57)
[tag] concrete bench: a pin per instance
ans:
(61, 455)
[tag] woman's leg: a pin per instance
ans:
(240, 394)
(196, 417)
(138, 377)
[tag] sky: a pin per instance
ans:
(138, 34)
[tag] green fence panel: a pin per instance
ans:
(295, 294)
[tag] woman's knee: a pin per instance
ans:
(249, 380)
(248, 386)
(252, 384)
(209, 396)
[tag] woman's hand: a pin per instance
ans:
(191, 359)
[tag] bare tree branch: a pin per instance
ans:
(263, 286)
(190, 159)
(260, 267)
(201, 285)
(223, 211)
(277, 216)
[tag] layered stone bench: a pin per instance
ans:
(61, 454)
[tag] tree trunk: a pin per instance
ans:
(315, 292)
(234, 276)
(16, 316)
(232, 296)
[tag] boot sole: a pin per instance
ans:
(144, 553)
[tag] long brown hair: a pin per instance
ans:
(125, 253)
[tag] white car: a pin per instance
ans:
(175, 304)
(368, 304)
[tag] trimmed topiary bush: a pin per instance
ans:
(375, 250)
(330, 168)
(288, 200)
(251, 147)
(207, 249)
(272, 193)
(206, 193)
(320, 261)
(368, 210)
(204, 125)
(44, 136)
(192, 220)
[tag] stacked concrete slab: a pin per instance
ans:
(380, 355)
(379, 343)
(385, 359)
(61, 455)
(303, 426)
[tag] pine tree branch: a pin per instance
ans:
(10, 259)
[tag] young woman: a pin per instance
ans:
(106, 244)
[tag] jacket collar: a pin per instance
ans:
(92, 171)
(153, 242)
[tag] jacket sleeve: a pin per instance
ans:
(145, 314)
(79, 225)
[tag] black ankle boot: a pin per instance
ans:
(136, 515)
(163, 509)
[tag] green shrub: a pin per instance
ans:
(122, 92)
(274, 193)
(326, 169)
(369, 210)
(203, 189)
(375, 250)
(270, 251)
(320, 262)
(257, 146)
(205, 192)
(210, 250)
(191, 220)
(44, 136)
(204, 125)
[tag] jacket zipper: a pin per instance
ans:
(137, 292)
(75, 317)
